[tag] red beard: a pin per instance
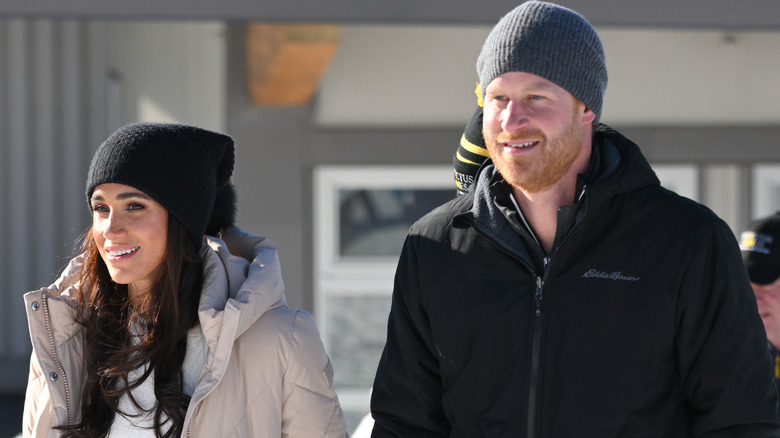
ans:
(539, 171)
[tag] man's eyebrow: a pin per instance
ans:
(536, 86)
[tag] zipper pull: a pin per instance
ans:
(582, 193)
(538, 295)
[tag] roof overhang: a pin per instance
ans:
(714, 14)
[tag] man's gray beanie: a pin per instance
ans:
(550, 41)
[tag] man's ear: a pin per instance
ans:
(588, 116)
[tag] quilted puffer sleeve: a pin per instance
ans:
(310, 407)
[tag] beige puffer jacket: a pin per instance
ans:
(266, 375)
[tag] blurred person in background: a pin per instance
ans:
(471, 152)
(760, 245)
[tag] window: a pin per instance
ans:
(766, 190)
(362, 215)
(682, 179)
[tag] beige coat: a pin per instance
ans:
(266, 375)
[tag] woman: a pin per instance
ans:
(156, 330)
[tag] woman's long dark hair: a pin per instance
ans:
(120, 338)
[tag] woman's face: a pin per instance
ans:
(130, 230)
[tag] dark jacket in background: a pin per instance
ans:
(642, 323)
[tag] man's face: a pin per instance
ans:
(534, 129)
(768, 300)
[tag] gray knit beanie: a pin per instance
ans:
(184, 168)
(550, 41)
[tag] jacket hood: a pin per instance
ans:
(623, 168)
(242, 281)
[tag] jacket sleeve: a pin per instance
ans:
(40, 411)
(33, 397)
(310, 407)
(406, 398)
(724, 361)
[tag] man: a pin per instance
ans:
(567, 294)
(760, 245)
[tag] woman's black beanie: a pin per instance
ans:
(181, 167)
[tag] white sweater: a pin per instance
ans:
(140, 423)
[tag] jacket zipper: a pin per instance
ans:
(53, 351)
(536, 346)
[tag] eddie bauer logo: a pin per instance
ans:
(595, 273)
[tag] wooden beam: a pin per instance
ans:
(286, 61)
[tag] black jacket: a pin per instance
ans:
(642, 322)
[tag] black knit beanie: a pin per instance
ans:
(550, 41)
(181, 167)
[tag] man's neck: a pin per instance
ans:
(540, 209)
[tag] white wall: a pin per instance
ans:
(665, 77)
(425, 76)
(170, 72)
(52, 108)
